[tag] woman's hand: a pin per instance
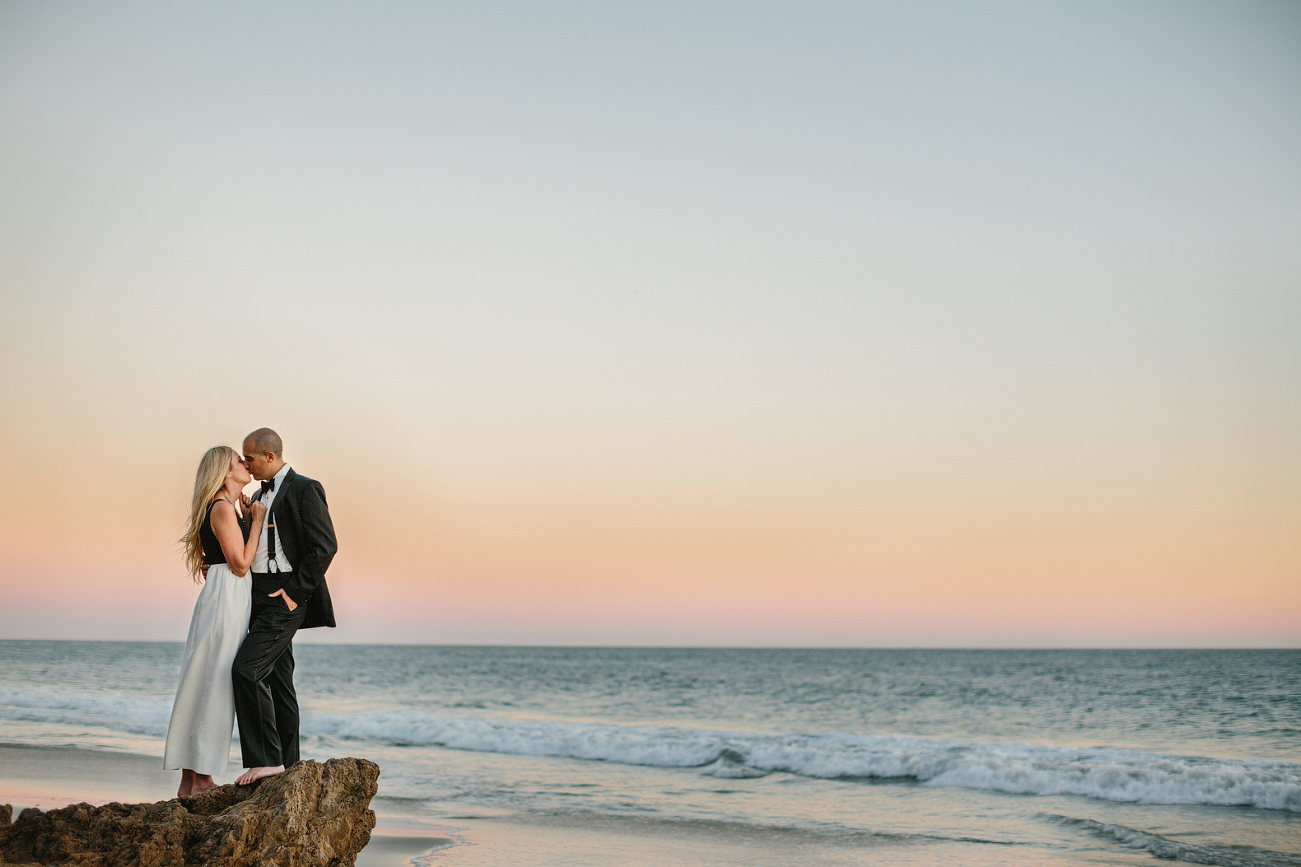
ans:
(258, 511)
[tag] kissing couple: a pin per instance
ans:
(262, 562)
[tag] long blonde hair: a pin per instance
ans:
(214, 466)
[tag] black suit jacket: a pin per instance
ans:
(305, 534)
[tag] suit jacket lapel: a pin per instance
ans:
(280, 492)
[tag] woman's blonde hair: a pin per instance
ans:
(214, 466)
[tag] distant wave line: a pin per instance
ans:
(1174, 850)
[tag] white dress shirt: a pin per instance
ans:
(260, 555)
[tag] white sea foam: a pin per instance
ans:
(138, 714)
(1104, 773)
(1108, 774)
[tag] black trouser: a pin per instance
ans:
(263, 674)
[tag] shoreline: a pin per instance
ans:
(50, 777)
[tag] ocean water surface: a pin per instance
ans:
(762, 756)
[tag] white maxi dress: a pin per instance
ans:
(203, 714)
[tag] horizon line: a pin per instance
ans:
(1184, 648)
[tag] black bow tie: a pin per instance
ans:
(268, 486)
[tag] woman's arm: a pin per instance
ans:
(225, 524)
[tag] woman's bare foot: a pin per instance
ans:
(202, 783)
(187, 783)
(255, 774)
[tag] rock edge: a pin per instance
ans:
(312, 815)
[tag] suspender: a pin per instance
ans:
(271, 544)
(273, 565)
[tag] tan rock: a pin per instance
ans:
(312, 815)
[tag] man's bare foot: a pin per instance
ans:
(187, 783)
(255, 774)
(202, 783)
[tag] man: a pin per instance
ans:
(289, 593)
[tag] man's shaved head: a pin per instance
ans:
(263, 440)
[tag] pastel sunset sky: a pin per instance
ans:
(829, 324)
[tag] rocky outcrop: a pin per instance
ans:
(312, 815)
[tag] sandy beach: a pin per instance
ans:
(51, 777)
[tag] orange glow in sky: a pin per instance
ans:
(846, 327)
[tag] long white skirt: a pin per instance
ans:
(203, 714)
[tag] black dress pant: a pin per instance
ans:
(263, 674)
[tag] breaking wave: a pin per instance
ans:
(137, 714)
(1023, 769)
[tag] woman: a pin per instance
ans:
(198, 737)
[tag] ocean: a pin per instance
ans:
(760, 756)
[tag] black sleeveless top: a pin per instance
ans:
(212, 552)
